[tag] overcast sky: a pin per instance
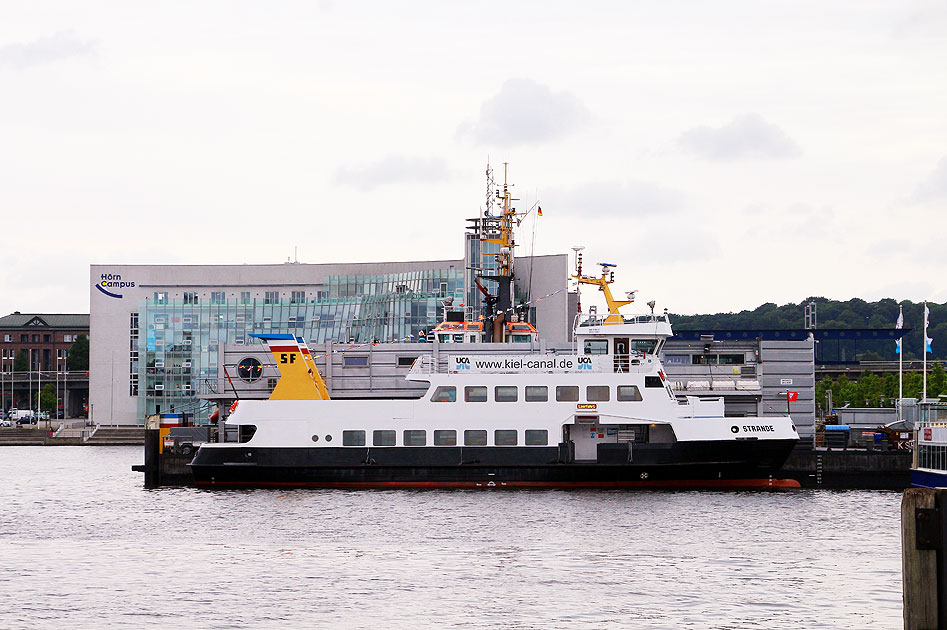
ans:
(722, 154)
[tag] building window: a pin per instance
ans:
(406, 361)
(475, 393)
(297, 297)
(537, 393)
(447, 437)
(161, 297)
(383, 437)
(504, 437)
(505, 393)
(271, 297)
(537, 437)
(567, 393)
(355, 361)
(445, 393)
(475, 437)
(249, 369)
(629, 393)
(415, 437)
(8, 338)
(353, 438)
(244, 297)
(218, 297)
(190, 297)
(35, 338)
(596, 393)
(47, 338)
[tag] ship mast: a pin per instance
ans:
(499, 230)
(602, 282)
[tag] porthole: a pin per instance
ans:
(328, 438)
(315, 438)
(249, 369)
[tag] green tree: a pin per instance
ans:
(21, 363)
(78, 359)
(47, 399)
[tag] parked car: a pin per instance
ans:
(5, 423)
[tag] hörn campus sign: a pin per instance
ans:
(109, 283)
(491, 364)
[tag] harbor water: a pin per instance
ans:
(83, 545)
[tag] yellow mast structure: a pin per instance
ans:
(505, 257)
(607, 278)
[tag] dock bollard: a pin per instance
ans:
(923, 560)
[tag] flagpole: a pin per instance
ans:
(900, 359)
(924, 351)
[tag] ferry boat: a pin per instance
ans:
(603, 415)
(929, 468)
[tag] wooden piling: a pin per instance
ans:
(919, 567)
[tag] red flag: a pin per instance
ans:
(792, 396)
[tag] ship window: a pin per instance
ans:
(353, 438)
(653, 381)
(475, 393)
(443, 338)
(445, 393)
(537, 437)
(315, 438)
(475, 437)
(537, 393)
(521, 338)
(629, 392)
(406, 361)
(415, 437)
(245, 432)
(504, 393)
(354, 361)
(567, 393)
(596, 393)
(504, 437)
(643, 346)
(446, 437)
(596, 346)
(458, 338)
(383, 437)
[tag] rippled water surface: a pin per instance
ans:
(83, 545)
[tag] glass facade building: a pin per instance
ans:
(176, 344)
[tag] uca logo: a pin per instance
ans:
(462, 363)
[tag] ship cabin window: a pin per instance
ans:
(653, 381)
(355, 361)
(415, 437)
(537, 437)
(504, 393)
(567, 393)
(443, 338)
(521, 338)
(596, 346)
(475, 437)
(458, 338)
(504, 437)
(245, 432)
(537, 393)
(406, 361)
(445, 393)
(475, 393)
(644, 346)
(596, 393)
(383, 437)
(446, 437)
(629, 393)
(353, 438)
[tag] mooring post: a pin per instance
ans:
(923, 578)
(152, 467)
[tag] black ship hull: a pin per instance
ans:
(723, 464)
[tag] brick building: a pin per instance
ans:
(45, 341)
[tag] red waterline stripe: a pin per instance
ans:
(690, 483)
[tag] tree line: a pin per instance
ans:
(854, 313)
(874, 390)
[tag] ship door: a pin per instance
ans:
(621, 353)
(585, 435)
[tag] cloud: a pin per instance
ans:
(526, 112)
(629, 198)
(61, 45)
(935, 186)
(393, 169)
(745, 136)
